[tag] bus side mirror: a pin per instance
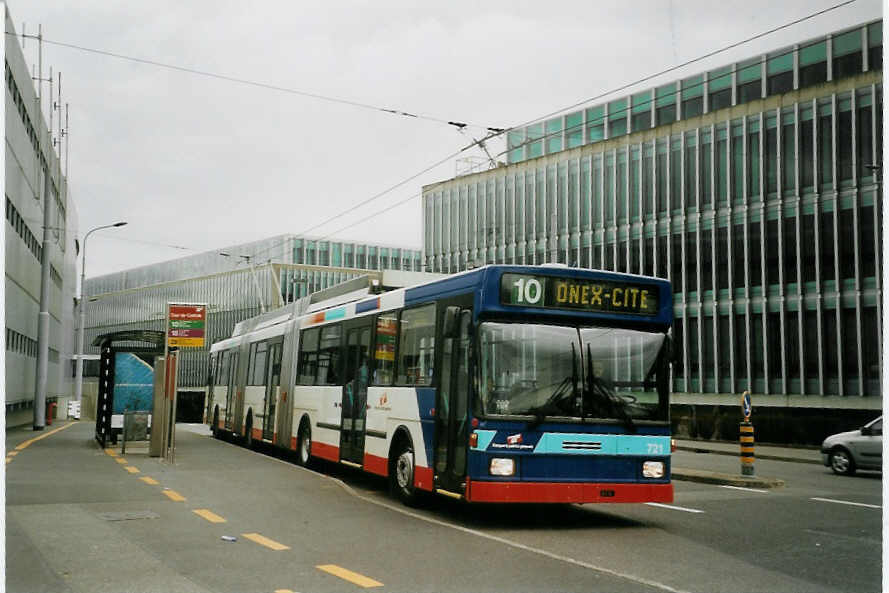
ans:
(451, 326)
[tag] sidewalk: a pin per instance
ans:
(809, 455)
(773, 452)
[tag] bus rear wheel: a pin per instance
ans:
(401, 474)
(304, 444)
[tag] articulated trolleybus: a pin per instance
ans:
(500, 384)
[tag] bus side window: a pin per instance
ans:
(416, 354)
(257, 363)
(329, 356)
(384, 351)
(308, 357)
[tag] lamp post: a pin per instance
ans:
(78, 380)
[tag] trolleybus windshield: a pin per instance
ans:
(573, 373)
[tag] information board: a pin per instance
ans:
(186, 325)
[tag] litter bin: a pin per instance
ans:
(50, 412)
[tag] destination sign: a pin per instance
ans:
(602, 296)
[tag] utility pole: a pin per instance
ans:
(43, 317)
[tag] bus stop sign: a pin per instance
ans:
(746, 406)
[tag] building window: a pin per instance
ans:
(724, 337)
(791, 347)
(691, 264)
(574, 129)
(867, 256)
(826, 247)
(825, 145)
(617, 118)
(707, 259)
(648, 257)
(845, 148)
(773, 263)
(515, 141)
(676, 263)
(554, 135)
(779, 69)
(595, 117)
(722, 258)
(535, 144)
(609, 189)
(847, 56)
(753, 160)
(641, 111)
(675, 174)
(691, 170)
(870, 350)
(754, 256)
(771, 155)
(806, 148)
(661, 271)
(741, 353)
(661, 175)
(749, 80)
(694, 366)
(808, 249)
(665, 104)
(757, 348)
(693, 96)
(850, 352)
(864, 136)
(773, 332)
(719, 83)
(875, 46)
(738, 259)
(813, 64)
(788, 153)
(722, 165)
(810, 350)
(737, 163)
(647, 180)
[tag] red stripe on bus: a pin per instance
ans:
(567, 492)
(325, 451)
(376, 464)
(293, 443)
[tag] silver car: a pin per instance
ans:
(845, 452)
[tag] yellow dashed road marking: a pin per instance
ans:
(148, 480)
(283, 591)
(131, 469)
(264, 541)
(111, 452)
(12, 453)
(120, 460)
(209, 516)
(348, 575)
(173, 495)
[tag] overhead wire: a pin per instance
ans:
(563, 110)
(493, 132)
(264, 85)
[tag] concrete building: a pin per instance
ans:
(237, 282)
(28, 155)
(755, 188)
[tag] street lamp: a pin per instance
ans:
(78, 380)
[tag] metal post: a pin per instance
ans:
(746, 434)
(78, 376)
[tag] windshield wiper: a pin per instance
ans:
(606, 395)
(549, 406)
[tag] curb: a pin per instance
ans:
(707, 477)
(758, 455)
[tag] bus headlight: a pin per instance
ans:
(502, 467)
(653, 469)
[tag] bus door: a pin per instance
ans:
(356, 375)
(452, 406)
(232, 387)
(273, 379)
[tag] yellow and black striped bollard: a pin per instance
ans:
(747, 456)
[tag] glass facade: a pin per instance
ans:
(767, 222)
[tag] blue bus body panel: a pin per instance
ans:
(569, 453)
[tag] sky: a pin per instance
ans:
(195, 163)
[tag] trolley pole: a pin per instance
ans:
(746, 431)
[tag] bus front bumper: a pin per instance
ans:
(567, 492)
